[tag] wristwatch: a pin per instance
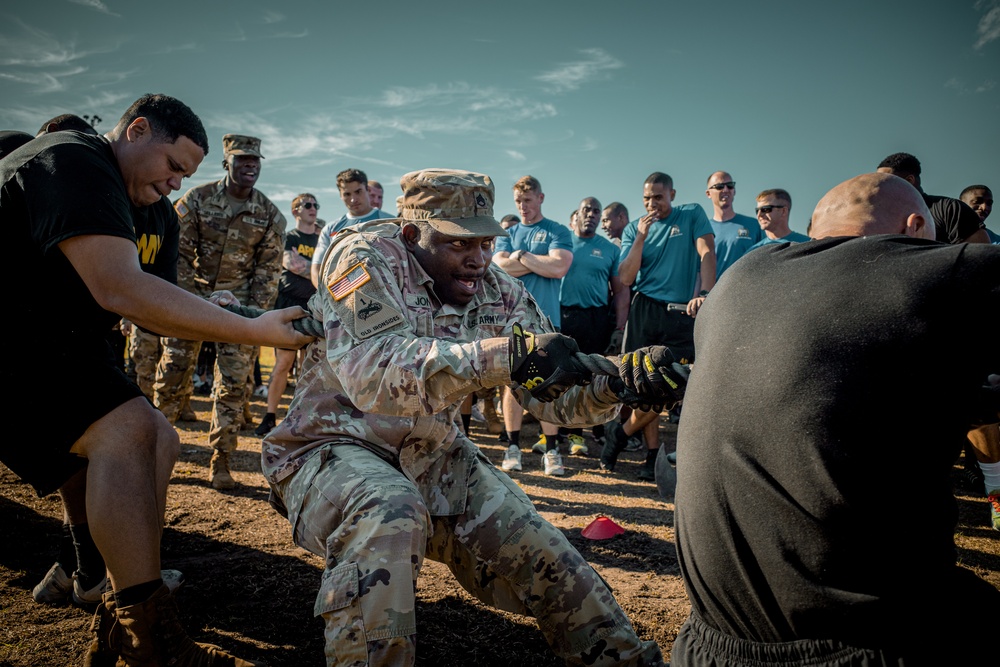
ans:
(703, 293)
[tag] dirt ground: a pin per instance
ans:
(251, 590)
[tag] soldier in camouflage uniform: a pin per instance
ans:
(232, 238)
(374, 474)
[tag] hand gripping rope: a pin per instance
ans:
(595, 363)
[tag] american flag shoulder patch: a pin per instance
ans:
(352, 279)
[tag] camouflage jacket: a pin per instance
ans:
(220, 251)
(397, 363)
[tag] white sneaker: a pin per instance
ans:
(477, 414)
(260, 392)
(91, 597)
(553, 464)
(512, 459)
(55, 587)
(577, 446)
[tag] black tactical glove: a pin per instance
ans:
(545, 364)
(653, 376)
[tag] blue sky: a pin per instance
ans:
(589, 97)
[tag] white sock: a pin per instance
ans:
(991, 475)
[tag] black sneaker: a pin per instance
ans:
(266, 425)
(647, 473)
(614, 443)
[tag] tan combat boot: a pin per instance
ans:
(218, 472)
(152, 636)
(494, 424)
(104, 647)
(186, 413)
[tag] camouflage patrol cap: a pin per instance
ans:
(454, 202)
(240, 144)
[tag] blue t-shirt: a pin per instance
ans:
(994, 237)
(670, 260)
(793, 237)
(327, 233)
(595, 260)
(733, 239)
(539, 239)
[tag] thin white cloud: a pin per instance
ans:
(989, 25)
(272, 17)
(96, 5)
(595, 65)
(962, 88)
(589, 144)
(174, 48)
(290, 35)
(515, 155)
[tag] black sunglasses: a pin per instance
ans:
(309, 204)
(768, 209)
(722, 186)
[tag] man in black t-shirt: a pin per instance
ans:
(294, 289)
(66, 200)
(793, 544)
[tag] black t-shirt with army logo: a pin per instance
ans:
(290, 284)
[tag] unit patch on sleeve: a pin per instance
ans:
(372, 315)
(355, 277)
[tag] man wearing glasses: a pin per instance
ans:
(294, 289)
(773, 209)
(735, 234)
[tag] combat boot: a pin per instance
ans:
(494, 424)
(151, 635)
(218, 473)
(186, 413)
(104, 647)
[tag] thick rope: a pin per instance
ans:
(308, 325)
(595, 363)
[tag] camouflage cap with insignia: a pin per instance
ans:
(240, 144)
(454, 202)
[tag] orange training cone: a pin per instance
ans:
(602, 528)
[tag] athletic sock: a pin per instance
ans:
(138, 593)
(90, 567)
(991, 475)
(514, 438)
(466, 423)
(67, 550)
(553, 442)
(651, 456)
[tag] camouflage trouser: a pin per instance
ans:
(371, 525)
(233, 363)
(144, 350)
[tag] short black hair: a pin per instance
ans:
(67, 121)
(901, 163)
(352, 176)
(510, 217)
(168, 117)
(661, 178)
(975, 187)
(617, 208)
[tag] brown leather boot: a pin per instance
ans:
(186, 413)
(494, 424)
(104, 648)
(152, 636)
(218, 472)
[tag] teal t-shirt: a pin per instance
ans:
(595, 260)
(539, 239)
(670, 260)
(733, 239)
(793, 237)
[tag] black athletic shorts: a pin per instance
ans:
(652, 322)
(589, 327)
(69, 387)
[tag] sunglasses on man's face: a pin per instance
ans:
(768, 209)
(730, 185)
(309, 204)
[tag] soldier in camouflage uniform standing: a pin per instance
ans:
(232, 238)
(370, 467)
